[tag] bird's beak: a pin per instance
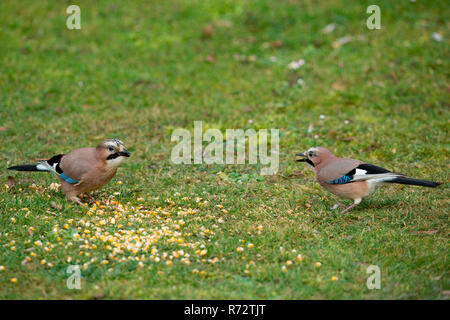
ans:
(125, 153)
(303, 157)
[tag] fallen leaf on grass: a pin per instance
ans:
(208, 31)
(341, 41)
(49, 212)
(98, 295)
(425, 232)
(55, 205)
(344, 40)
(210, 58)
(296, 173)
(223, 176)
(393, 75)
(276, 44)
(54, 186)
(310, 128)
(437, 37)
(294, 65)
(247, 109)
(300, 82)
(338, 86)
(11, 181)
(329, 28)
(370, 147)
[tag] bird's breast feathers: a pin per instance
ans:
(114, 163)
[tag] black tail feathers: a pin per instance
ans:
(25, 167)
(42, 167)
(415, 182)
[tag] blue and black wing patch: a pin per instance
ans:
(361, 170)
(342, 180)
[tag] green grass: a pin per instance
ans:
(138, 71)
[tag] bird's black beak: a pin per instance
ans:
(303, 157)
(125, 153)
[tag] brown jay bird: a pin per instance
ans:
(83, 170)
(350, 178)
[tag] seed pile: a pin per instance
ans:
(179, 231)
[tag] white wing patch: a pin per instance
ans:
(380, 176)
(44, 166)
(360, 172)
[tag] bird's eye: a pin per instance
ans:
(311, 154)
(111, 149)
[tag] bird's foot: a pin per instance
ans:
(77, 201)
(90, 199)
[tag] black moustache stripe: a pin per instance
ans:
(118, 154)
(310, 162)
(306, 160)
(114, 156)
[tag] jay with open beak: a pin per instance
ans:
(350, 178)
(83, 170)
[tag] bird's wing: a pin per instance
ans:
(78, 162)
(365, 171)
(337, 168)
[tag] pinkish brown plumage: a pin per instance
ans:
(352, 179)
(83, 170)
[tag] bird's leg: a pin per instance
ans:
(76, 200)
(353, 205)
(357, 201)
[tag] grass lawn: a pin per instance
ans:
(138, 71)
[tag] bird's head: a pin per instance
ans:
(113, 151)
(314, 156)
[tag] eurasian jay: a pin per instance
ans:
(83, 170)
(350, 178)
